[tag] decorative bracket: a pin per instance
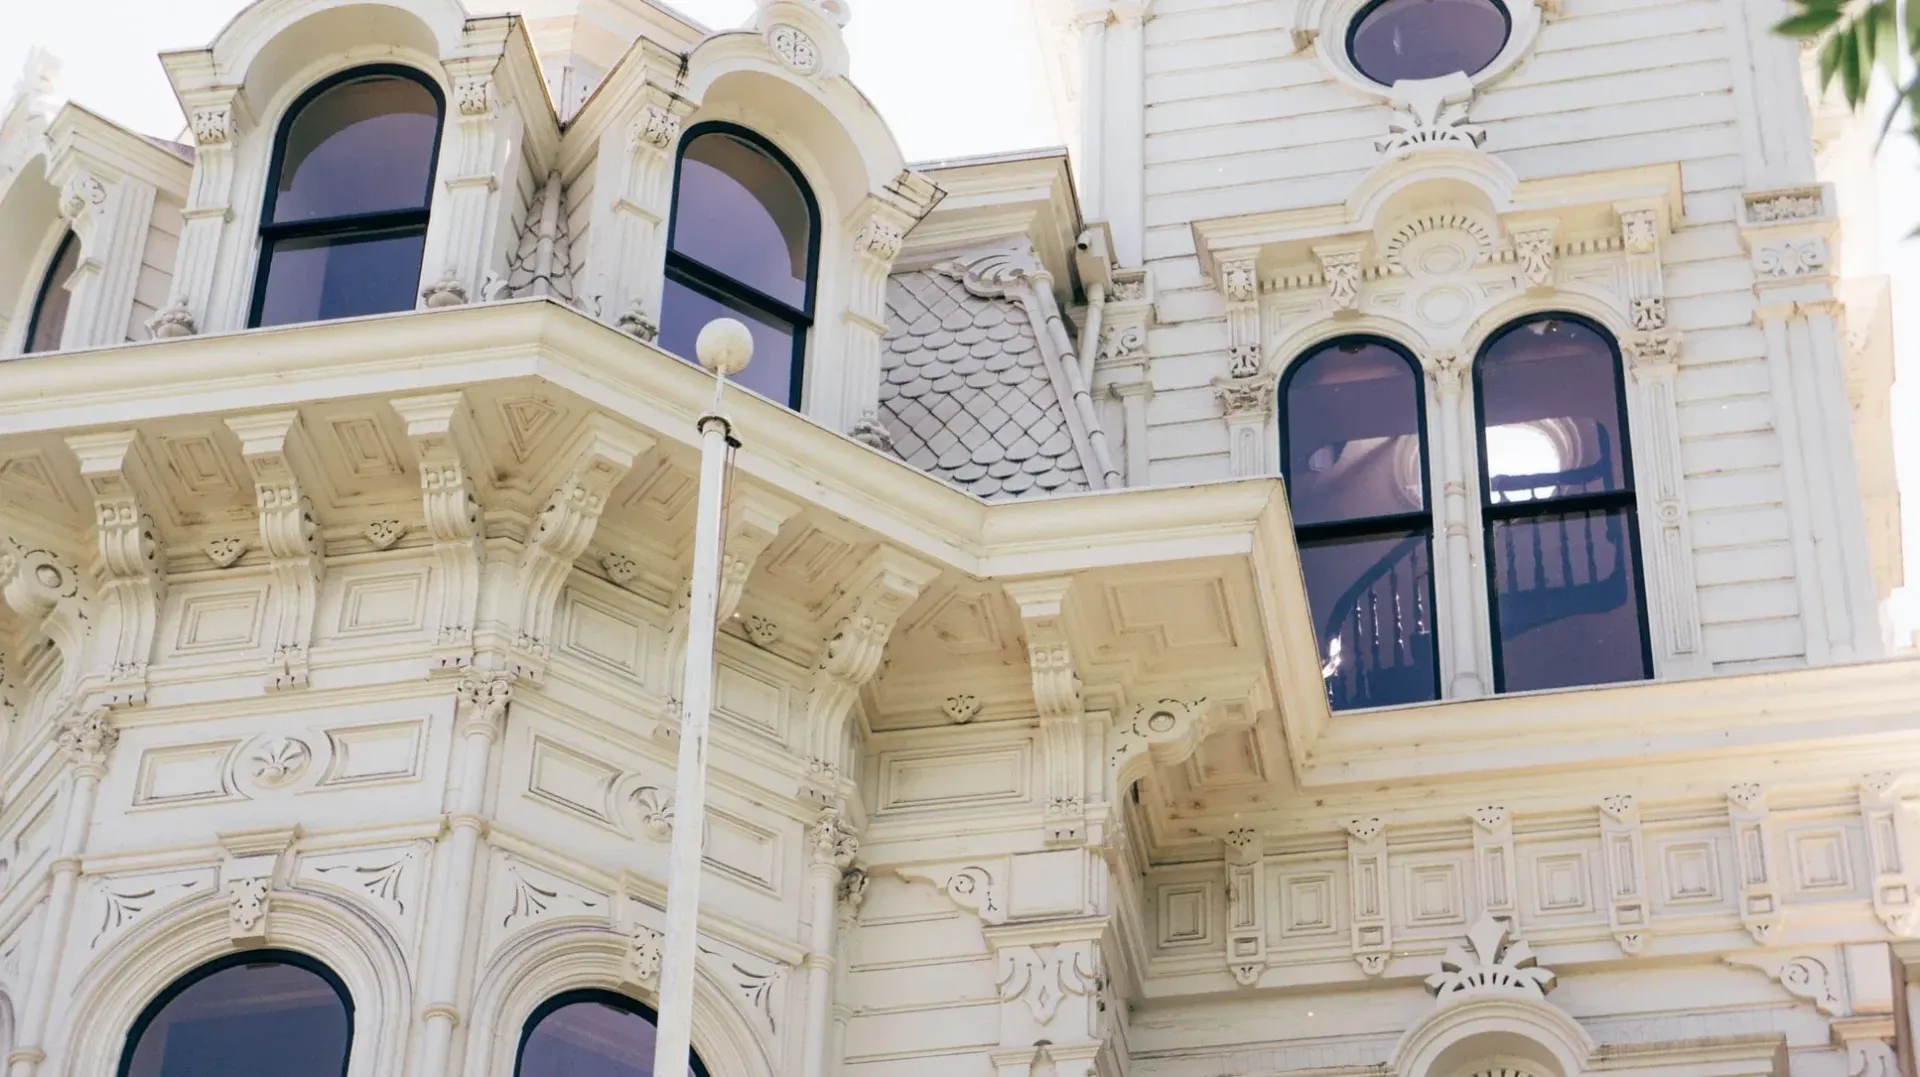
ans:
(441, 429)
(1493, 851)
(978, 888)
(248, 876)
(880, 591)
(600, 456)
(1246, 907)
(1056, 696)
(1367, 879)
(1760, 907)
(1161, 734)
(1889, 847)
(1623, 853)
(133, 566)
(754, 520)
(54, 597)
(274, 447)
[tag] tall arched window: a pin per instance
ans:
(1353, 450)
(49, 322)
(1563, 546)
(743, 244)
(345, 221)
(264, 1013)
(590, 1033)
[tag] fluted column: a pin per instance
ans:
(85, 739)
(483, 714)
(1463, 676)
(832, 849)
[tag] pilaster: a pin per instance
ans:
(879, 230)
(218, 120)
(479, 135)
(636, 171)
(110, 211)
(1464, 645)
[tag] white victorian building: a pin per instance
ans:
(1366, 564)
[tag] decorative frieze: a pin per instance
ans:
(1042, 978)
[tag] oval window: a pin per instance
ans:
(1405, 40)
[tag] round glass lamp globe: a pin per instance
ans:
(724, 346)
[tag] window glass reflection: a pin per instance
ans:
(263, 1018)
(740, 212)
(49, 324)
(1550, 398)
(1427, 39)
(1372, 607)
(686, 311)
(1569, 601)
(318, 278)
(360, 147)
(592, 1034)
(1353, 434)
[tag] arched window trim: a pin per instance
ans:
(691, 273)
(1421, 521)
(1626, 498)
(270, 233)
(220, 964)
(587, 994)
(47, 284)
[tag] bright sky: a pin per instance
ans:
(952, 79)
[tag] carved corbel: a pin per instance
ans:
(879, 592)
(1431, 114)
(1623, 855)
(1344, 275)
(1816, 976)
(600, 456)
(1760, 909)
(1535, 246)
(86, 738)
(55, 598)
(754, 520)
(273, 445)
(1056, 695)
(133, 567)
(1246, 907)
(1368, 883)
(1165, 733)
(440, 428)
(979, 888)
(641, 967)
(248, 876)
(1493, 852)
(1889, 850)
(1240, 285)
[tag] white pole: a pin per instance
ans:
(724, 347)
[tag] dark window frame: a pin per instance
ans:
(341, 227)
(1353, 33)
(1625, 500)
(690, 272)
(47, 285)
(181, 983)
(601, 995)
(1406, 524)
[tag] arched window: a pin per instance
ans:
(743, 244)
(49, 322)
(1392, 40)
(590, 1033)
(264, 1013)
(1353, 450)
(345, 221)
(1563, 547)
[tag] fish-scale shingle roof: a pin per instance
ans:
(965, 392)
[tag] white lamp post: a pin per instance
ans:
(725, 347)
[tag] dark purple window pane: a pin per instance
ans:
(741, 212)
(1427, 39)
(265, 1020)
(1373, 612)
(310, 280)
(360, 147)
(1569, 601)
(1353, 435)
(50, 310)
(589, 1039)
(1550, 398)
(685, 311)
